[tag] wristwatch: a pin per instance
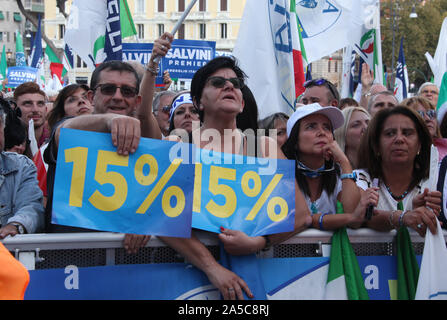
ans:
(268, 243)
(20, 228)
(351, 175)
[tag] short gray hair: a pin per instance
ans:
(156, 102)
(382, 93)
(426, 84)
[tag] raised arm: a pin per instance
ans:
(149, 125)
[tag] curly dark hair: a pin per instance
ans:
(368, 154)
(201, 76)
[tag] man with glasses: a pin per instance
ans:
(115, 98)
(321, 91)
(161, 106)
(429, 91)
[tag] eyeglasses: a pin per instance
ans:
(219, 82)
(321, 82)
(165, 109)
(109, 89)
(430, 113)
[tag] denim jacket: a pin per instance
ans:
(20, 195)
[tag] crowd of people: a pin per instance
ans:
(348, 154)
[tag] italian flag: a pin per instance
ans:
(441, 107)
(407, 265)
(344, 280)
(299, 54)
(56, 67)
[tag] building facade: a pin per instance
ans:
(211, 20)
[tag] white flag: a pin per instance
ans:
(264, 50)
(85, 30)
(438, 64)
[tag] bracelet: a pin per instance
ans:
(390, 218)
(401, 218)
(320, 220)
(268, 243)
(152, 69)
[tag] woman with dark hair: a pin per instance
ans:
(183, 113)
(277, 121)
(396, 151)
(71, 102)
(427, 110)
(248, 118)
(16, 131)
(323, 171)
(216, 90)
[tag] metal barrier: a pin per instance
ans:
(57, 250)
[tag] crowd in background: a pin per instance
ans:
(348, 154)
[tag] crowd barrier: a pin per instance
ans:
(46, 254)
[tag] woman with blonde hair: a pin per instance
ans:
(348, 136)
(427, 110)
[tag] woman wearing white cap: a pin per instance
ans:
(323, 171)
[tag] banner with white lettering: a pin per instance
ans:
(301, 278)
(18, 75)
(182, 60)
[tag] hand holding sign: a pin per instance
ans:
(97, 195)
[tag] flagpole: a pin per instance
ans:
(379, 46)
(178, 24)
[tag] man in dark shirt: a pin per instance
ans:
(115, 97)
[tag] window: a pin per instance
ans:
(202, 31)
(202, 5)
(181, 32)
(61, 31)
(139, 6)
(80, 63)
(329, 66)
(181, 5)
(161, 5)
(140, 31)
(2, 16)
(1, 36)
(223, 5)
(17, 17)
(223, 30)
(161, 29)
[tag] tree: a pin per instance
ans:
(420, 34)
(61, 5)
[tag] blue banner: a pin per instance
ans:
(18, 75)
(112, 46)
(236, 192)
(182, 60)
(283, 278)
(144, 193)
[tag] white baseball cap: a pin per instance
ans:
(334, 115)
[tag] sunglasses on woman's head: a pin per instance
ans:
(109, 89)
(219, 82)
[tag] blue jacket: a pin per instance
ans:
(20, 195)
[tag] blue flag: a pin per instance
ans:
(36, 54)
(112, 46)
(401, 82)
